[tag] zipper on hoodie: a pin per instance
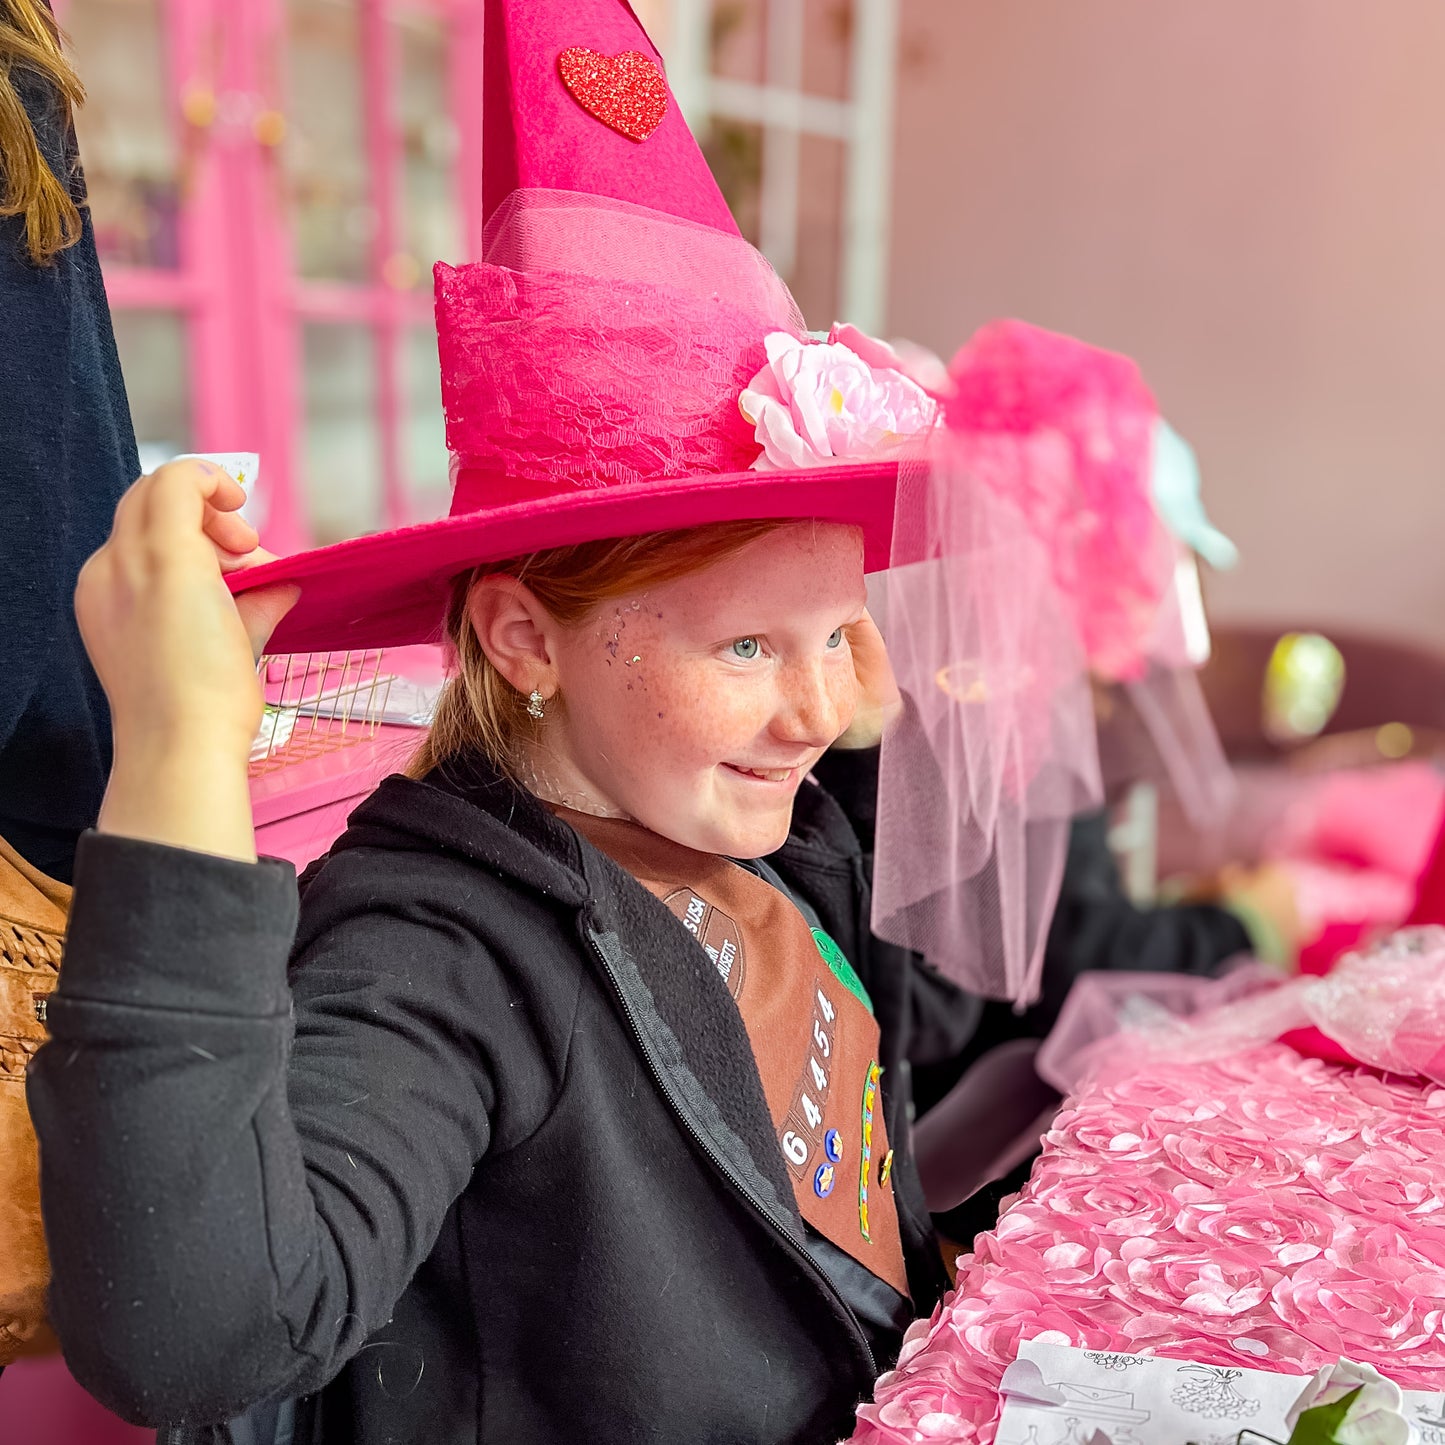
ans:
(719, 1163)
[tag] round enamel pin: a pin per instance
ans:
(823, 1181)
(833, 1145)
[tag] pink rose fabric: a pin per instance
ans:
(818, 403)
(1262, 1209)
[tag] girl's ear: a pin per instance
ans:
(514, 630)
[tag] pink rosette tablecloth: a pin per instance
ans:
(1263, 1210)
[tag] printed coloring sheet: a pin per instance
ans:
(1145, 1400)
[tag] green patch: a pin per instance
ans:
(1318, 1426)
(1315, 1427)
(842, 970)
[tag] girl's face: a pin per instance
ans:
(698, 708)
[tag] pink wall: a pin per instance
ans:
(1246, 197)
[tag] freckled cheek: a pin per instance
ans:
(699, 719)
(843, 692)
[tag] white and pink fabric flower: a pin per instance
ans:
(818, 403)
(1262, 1205)
(1376, 1415)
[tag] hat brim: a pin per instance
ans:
(390, 589)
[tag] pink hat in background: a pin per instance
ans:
(1065, 431)
(622, 360)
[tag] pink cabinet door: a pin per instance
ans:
(271, 183)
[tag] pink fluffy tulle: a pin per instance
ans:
(1027, 555)
(1065, 431)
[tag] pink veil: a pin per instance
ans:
(995, 754)
(1027, 557)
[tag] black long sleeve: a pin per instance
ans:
(254, 1193)
(1097, 926)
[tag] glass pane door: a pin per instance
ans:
(371, 167)
(430, 204)
(134, 158)
(271, 183)
(332, 195)
(325, 156)
(340, 466)
(127, 139)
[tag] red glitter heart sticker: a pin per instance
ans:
(626, 92)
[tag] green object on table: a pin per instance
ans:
(1315, 1427)
(1318, 1426)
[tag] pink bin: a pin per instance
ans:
(40, 1404)
(301, 808)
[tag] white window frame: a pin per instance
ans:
(863, 123)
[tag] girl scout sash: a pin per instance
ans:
(811, 1026)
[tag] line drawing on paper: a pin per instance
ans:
(1114, 1361)
(1430, 1422)
(1208, 1391)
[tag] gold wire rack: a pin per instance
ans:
(317, 702)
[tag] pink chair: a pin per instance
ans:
(40, 1404)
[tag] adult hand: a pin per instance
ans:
(879, 700)
(176, 654)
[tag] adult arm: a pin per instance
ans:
(1097, 926)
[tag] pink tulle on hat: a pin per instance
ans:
(1065, 431)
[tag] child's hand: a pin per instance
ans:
(879, 700)
(1264, 897)
(176, 654)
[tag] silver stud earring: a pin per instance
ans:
(535, 704)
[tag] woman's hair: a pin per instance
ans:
(479, 710)
(30, 40)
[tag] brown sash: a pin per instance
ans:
(812, 1031)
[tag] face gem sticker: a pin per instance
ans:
(626, 92)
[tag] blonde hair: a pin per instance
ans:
(479, 710)
(30, 40)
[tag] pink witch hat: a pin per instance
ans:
(621, 361)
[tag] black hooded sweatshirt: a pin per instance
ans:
(493, 1164)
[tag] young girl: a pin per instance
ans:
(570, 1105)
(501, 1163)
